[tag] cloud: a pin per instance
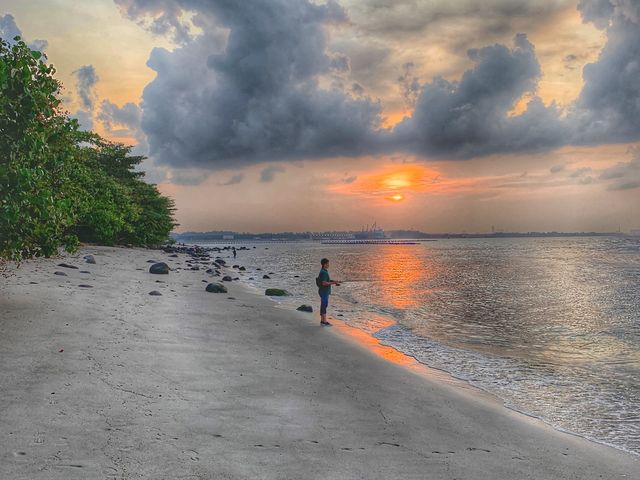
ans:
(608, 108)
(9, 30)
(269, 174)
(85, 119)
(557, 168)
(249, 87)
(624, 175)
(86, 79)
(258, 81)
(234, 180)
(580, 172)
(471, 117)
(350, 179)
(124, 122)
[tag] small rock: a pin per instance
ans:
(90, 259)
(266, 277)
(216, 288)
(62, 274)
(85, 286)
(85, 271)
(219, 261)
(66, 265)
(276, 292)
(155, 293)
(175, 255)
(227, 278)
(159, 268)
(242, 269)
(305, 308)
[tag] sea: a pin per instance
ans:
(551, 326)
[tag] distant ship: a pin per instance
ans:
(371, 233)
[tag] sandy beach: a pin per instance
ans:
(102, 380)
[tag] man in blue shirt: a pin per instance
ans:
(324, 290)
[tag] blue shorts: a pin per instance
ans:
(324, 303)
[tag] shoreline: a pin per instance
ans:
(391, 354)
(143, 381)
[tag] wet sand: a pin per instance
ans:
(107, 381)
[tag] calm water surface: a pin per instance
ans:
(551, 326)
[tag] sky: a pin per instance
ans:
(299, 115)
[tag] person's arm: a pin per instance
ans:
(329, 283)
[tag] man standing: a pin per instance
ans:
(324, 283)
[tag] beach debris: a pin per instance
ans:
(90, 259)
(160, 268)
(216, 288)
(155, 293)
(305, 308)
(66, 265)
(227, 278)
(62, 274)
(276, 292)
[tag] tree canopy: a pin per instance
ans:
(59, 185)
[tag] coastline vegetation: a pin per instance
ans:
(59, 185)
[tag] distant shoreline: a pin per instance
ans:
(211, 237)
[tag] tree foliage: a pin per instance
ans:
(59, 185)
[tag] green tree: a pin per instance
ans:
(37, 147)
(59, 185)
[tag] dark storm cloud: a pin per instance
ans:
(471, 118)
(608, 108)
(256, 81)
(86, 79)
(269, 174)
(9, 30)
(255, 95)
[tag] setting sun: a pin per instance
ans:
(396, 198)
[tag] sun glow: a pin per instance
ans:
(396, 198)
(393, 184)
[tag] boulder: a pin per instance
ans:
(216, 288)
(160, 268)
(90, 259)
(305, 308)
(227, 278)
(276, 292)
